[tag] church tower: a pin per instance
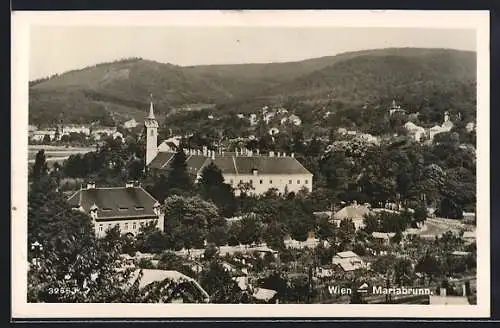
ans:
(151, 129)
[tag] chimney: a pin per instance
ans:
(129, 184)
(91, 185)
(292, 155)
(271, 154)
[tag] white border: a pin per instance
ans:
(21, 21)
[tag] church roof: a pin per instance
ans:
(116, 202)
(231, 164)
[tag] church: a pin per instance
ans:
(263, 171)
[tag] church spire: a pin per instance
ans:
(151, 112)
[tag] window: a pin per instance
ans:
(289, 181)
(270, 181)
(134, 226)
(241, 181)
(100, 227)
(152, 132)
(307, 182)
(251, 182)
(231, 182)
(126, 226)
(261, 181)
(298, 181)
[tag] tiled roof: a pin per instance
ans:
(230, 164)
(118, 202)
(161, 160)
(264, 294)
(347, 254)
(352, 212)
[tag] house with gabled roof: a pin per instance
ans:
(272, 171)
(129, 207)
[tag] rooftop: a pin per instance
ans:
(235, 164)
(115, 202)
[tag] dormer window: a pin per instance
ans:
(106, 209)
(122, 209)
(139, 208)
(255, 171)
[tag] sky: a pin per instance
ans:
(57, 49)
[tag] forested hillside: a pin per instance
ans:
(432, 80)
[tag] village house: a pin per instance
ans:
(75, 128)
(348, 261)
(39, 135)
(100, 132)
(263, 172)
(395, 108)
(445, 127)
(130, 124)
(383, 238)
(355, 212)
(415, 131)
(189, 290)
(129, 207)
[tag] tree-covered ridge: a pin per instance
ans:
(434, 78)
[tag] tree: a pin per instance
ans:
(178, 179)
(218, 235)
(40, 167)
(188, 220)
(213, 188)
(150, 239)
(251, 230)
(347, 231)
(219, 284)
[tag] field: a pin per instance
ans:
(55, 153)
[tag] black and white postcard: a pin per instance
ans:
(250, 164)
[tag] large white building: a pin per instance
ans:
(129, 207)
(272, 171)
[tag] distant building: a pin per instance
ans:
(75, 128)
(471, 126)
(445, 127)
(348, 261)
(355, 212)
(395, 108)
(101, 132)
(39, 135)
(383, 238)
(129, 207)
(189, 290)
(417, 132)
(170, 144)
(278, 171)
(130, 124)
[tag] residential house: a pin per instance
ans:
(384, 238)
(75, 128)
(101, 132)
(39, 135)
(130, 124)
(355, 212)
(348, 261)
(128, 207)
(188, 290)
(415, 131)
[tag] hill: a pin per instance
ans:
(418, 77)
